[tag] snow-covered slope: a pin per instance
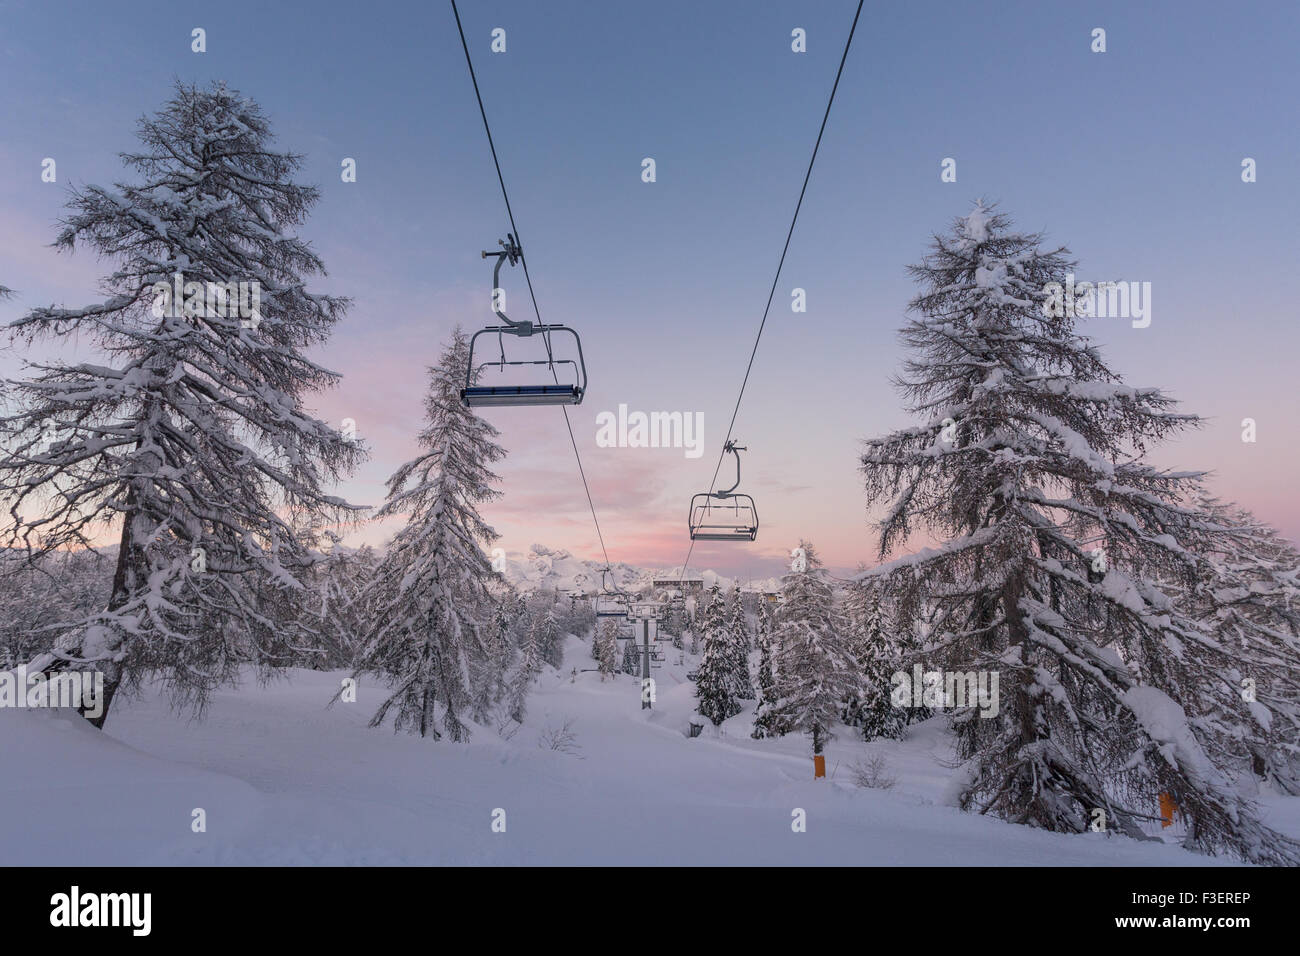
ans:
(283, 780)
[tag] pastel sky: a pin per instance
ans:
(1131, 157)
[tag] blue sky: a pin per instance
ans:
(1131, 157)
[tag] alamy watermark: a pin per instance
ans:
(1101, 300)
(83, 690)
(651, 430)
(128, 910)
(209, 300)
(940, 690)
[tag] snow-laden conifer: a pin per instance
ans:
(815, 670)
(183, 434)
(431, 609)
(1060, 547)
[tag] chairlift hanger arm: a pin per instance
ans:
(511, 251)
(735, 449)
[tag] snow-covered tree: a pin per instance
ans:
(521, 619)
(550, 639)
(431, 608)
(736, 619)
(738, 626)
(1252, 604)
(880, 655)
(716, 681)
(338, 616)
(677, 623)
(766, 717)
(186, 435)
(45, 599)
(530, 665)
(815, 671)
(631, 658)
(489, 677)
(607, 645)
(1060, 547)
(579, 618)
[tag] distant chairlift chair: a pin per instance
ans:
(555, 393)
(724, 515)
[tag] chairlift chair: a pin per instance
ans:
(724, 515)
(558, 392)
(610, 602)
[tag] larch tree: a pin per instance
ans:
(340, 581)
(1252, 604)
(44, 600)
(1060, 547)
(432, 608)
(185, 439)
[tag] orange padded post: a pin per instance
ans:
(819, 766)
(1167, 810)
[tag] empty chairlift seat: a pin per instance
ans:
(536, 352)
(610, 602)
(715, 518)
(724, 515)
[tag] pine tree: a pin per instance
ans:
(550, 640)
(677, 619)
(431, 608)
(880, 656)
(716, 680)
(738, 647)
(631, 658)
(736, 618)
(489, 680)
(580, 618)
(766, 718)
(521, 620)
(608, 645)
(189, 431)
(530, 665)
(1060, 545)
(815, 672)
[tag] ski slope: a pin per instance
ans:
(285, 780)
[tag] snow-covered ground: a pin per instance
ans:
(284, 780)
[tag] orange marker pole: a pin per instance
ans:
(1167, 810)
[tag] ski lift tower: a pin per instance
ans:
(644, 614)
